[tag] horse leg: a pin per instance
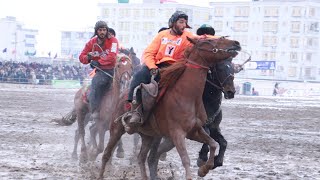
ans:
(146, 142)
(120, 151)
(81, 124)
(93, 134)
(203, 154)
(75, 147)
(178, 139)
(155, 153)
(115, 136)
(203, 137)
(101, 128)
(136, 137)
(216, 135)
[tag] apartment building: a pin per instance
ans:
(281, 36)
(284, 32)
(17, 43)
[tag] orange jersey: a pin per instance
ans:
(166, 48)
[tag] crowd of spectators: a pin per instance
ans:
(36, 73)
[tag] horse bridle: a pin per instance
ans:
(220, 85)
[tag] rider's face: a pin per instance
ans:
(102, 33)
(180, 25)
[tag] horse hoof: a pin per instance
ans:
(83, 158)
(200, 162)
(120, 154)
(74, 156)
(163, 157)
(203, 171)
(217, 163)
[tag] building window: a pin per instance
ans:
(292, 72)
(136, 26)
(294, 57)
(312, 12)
(149, 13)
(270, 26)
(29, 45)
(106, 12)
(30, 36)
(241, 26)
(218, 25)
(294, 42)
(309, 57)
(80, 35)
(124, 26)
(271, 11)
(269, 41)
(218, 11)
(136, 13)
(312, 42)
(295, 26)
(307, 72)
(124, 13)
(148, 26)
(66, 35)
(242, 39)
(296, 11)
(243, 11)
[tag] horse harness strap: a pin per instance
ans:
(196, 65)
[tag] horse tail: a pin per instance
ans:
(68, 119)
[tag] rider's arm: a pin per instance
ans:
(84, 54)
(149, 55)
(112, 46)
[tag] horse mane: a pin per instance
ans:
(171, 74)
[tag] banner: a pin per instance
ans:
(66, 84)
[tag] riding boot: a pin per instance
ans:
(134, 118)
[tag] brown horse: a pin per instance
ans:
(180, 112)
(80, 112)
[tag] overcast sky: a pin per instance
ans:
(52, 16)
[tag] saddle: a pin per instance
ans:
(144, 99)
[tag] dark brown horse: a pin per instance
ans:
(80, 112)
(180, 113)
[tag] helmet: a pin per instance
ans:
(206, 29)
(100, 24)
(175, 16)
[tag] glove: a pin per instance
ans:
(89, 57)
(154, 71)
(94, 64)
(237, 68)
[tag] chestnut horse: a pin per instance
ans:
(80, 112)
(180, 112)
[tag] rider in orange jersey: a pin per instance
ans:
(166, 48)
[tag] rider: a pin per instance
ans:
(166, 48)
(100, 51)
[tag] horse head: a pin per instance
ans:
(222, 78)
(216, 54)
(210, 50)
(123, 70)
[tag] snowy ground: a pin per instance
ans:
(268, 138)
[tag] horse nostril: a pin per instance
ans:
(237, 43)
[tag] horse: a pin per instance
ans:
(179, 112)
(212, 98)
(133, 56)
(80, 112)
(222, 73)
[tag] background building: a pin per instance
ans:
(73, 42)
(17, 43)
(282, 36)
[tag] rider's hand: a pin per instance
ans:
(94, 64)
(154, 71)
(89, 57)
(237, 68)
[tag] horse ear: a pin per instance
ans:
(193, 41)
(131, 49)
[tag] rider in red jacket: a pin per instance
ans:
(100, 51)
